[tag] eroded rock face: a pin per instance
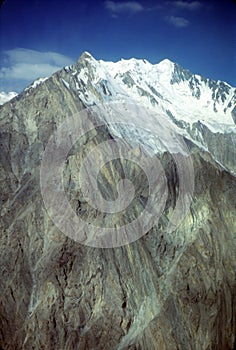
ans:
(164, 291)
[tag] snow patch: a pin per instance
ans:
(36, 83)
(67, 85)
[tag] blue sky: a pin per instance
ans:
(37, 37)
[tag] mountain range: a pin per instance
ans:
(154, 272)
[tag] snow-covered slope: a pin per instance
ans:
(186, 98)
(6, 96)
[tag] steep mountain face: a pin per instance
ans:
(175, 286)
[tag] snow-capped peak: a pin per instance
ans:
(86, 55)
(165, 66)
(196, 106)
(124, 65)
(166, 87)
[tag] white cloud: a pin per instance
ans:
(28, 65)
(28, 71)
(4, 97)
(128, 6)
(178, 22)
(191, 6)
(177, 7)
(21, 55)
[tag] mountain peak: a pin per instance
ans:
(166, 65)
(86, 55)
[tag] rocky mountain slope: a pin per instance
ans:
(166, 283)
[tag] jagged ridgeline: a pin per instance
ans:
(169, 289)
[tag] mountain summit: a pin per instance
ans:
(117, 225)
(204, 110)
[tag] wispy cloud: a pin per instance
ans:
(177, 8)
(123, 7)
(186, 5)
(27, 71)
(179, 22)
(20, 55)
(27, 65)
